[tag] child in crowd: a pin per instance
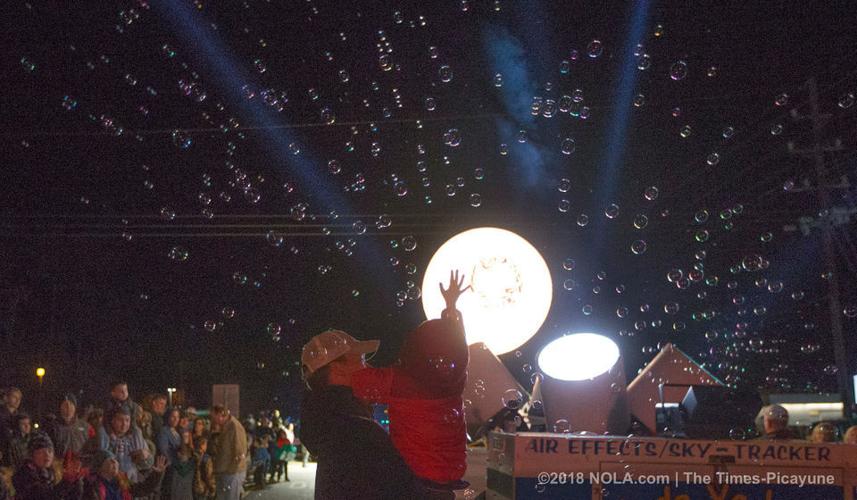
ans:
(204, 484)
(423, 392)
(261, 461)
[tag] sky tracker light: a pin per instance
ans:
(584, 385)
(578, 357)
(511, 286)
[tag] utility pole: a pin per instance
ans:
(843, 375)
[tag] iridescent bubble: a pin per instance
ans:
(777, 129)
(252, 195)
(210, 326)
(728, 132)
(385, 62)
(333, 167)
(850, 311)
(512, 399)
(766, 237)
(846, 100)
(678, 70)
(564, 205)
(181, 139)
(498, 80)
(228, 312)
(568, 146)
(568, 264)
(621, 311)
(274, 238)
(431, 104)
(327, 116)
(409, 243)
(639, 100)
(713, 159)
(638, 247)
(671, 308)
(445, 73)
(640, 221)
(569, 284)
(561, 426)
(612, 211)
(167, 213)
(475, 200)
(651, 193)
(359, 227)
(701, 216)
(594, 49)
(644, 62)
(781, 100)
(586, 310)
(522, 136)
(452, 137)
(69, 103)
(178, 254)
(582, 220)
(685, 132)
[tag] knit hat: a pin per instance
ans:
(39, 440)
(98, 458)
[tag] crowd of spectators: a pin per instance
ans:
(124, 450)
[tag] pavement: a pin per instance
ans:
(302, 484)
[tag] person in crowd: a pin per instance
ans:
(261, 460)
(850, 436)
(204, 484)
(184, 421)
(282, 452)
(191, 415)
(183, 470)
(775, 422)
(230, 463)
(18, 444)
(144, 423)
(264, 429)
(356, 458)
(95, 419)
(159, 408)
(169, 442)
(119, 399)
(68, 432)
(36, 478)
(199, 430)
(126, 443)
(423, 391)
(12, 398)
(108, 482)
(823, 432)
(277, 420)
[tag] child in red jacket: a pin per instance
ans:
(423, 393)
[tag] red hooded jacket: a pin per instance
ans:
(423, 393)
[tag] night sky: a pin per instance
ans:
(191, 190)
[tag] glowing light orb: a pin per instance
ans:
(580, 356)
(511, 286)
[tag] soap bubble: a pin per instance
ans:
(594, 49)
(678, 70)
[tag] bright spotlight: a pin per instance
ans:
(511, 284)
(584, 385)
(578, 357)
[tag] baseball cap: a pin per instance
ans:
(329, 345)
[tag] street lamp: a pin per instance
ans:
(170, 391)
(40, 372)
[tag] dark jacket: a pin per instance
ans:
(32, 483)
(356, 459)
(68, 436)
(94, 488)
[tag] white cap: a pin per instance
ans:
(775, 412)
(327, 346)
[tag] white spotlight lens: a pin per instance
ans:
(578, 357)
(511, 284)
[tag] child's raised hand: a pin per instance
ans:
(454, 290)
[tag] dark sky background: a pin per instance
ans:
(167, 163)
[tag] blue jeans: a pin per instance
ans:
(230, 487)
